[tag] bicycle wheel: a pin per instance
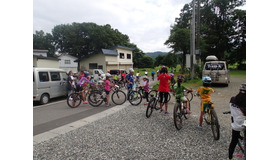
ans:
(95, 98)
(215, 125)
(152, 93)
(189, 95)
(169, 97)
(74, 100)
(135, 98)
(241, 142)
(186, 115)
(118, 97)
(150, 107)
(177, 116)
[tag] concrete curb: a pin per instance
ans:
(77, 124)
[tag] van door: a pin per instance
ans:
(63, 83)
(43, 83)
(55, 84)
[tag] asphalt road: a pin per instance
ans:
(57, 113)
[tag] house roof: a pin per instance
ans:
(110, 52)
(123, 47)
(43, 57)
(40, 51)
(65, 54)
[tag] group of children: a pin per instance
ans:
(237, 103)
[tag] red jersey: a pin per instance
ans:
(163, 82)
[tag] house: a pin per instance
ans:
(118, 57)
(66, 62)
(41, 60)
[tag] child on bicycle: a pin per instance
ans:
(179, 92)
(82, 86)
(238, 116)
(107, 88)
(204, 93)
(163, 88)
(146, 89)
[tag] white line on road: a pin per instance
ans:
(48, 104)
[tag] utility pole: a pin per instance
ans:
(192, 40)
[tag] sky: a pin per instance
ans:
(146, 22)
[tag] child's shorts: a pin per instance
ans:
(204, 105)
(107, 92)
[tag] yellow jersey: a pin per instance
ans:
(204, 93)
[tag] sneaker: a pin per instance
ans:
(166, 113)
(108, 105)
(70, 99)
(85, 102)
(240, 155)
(188, 111)
(199, 127)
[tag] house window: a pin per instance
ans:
(92, 66)
(67, 62)
(128, 56)
(121, 55)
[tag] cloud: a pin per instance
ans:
(146, 22)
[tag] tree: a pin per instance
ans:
(170, 60)
(220, 26)
(179, 41)
(43, 41)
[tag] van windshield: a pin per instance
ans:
(214, 66)
(101, 72)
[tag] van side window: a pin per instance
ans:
(64, 76)
(55, 76)
(43, 76)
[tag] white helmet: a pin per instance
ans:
(130, 70)
(108, 75)
(145, 77)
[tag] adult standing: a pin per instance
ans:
(130, 81)
(238, 116)
(163, 88)
(70, 83)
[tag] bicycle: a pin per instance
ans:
(155, 92)
(96, 98)
(211, 118)
(180, 110)
(75, 99)
(154, 98)
(134, 96)
(242, 139)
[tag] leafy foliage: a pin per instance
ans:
(222, 28)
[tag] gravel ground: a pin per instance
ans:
(128, 134)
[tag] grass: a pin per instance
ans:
(190, 83)
(237, 73)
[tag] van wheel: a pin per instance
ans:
(44, 99)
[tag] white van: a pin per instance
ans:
(217, 70)
(48, 83)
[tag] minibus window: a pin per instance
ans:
(43, 76)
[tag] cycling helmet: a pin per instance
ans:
(180, 78)
(108, 75)
(171, 75)
(86, 73)
(145, 77)
(163, 69)
(130, 70)
(242, 87)
(207, 80)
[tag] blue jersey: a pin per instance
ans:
(130, 79)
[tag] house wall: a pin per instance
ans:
(73, 66)
(96, 58)
(35, 61)
(124, 63)
(46, 63)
